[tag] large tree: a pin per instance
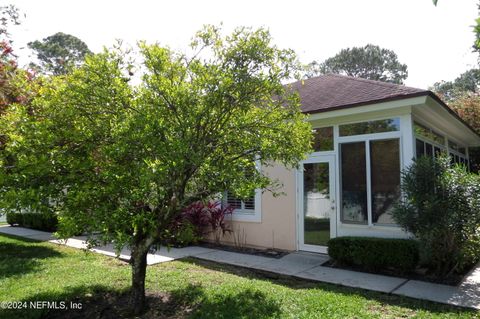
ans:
(368, 62)
(57, 53)
(124, 160)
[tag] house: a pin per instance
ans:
(365, 133)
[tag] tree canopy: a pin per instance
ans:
(59, 52)
(16, 83)
(368, 62)
(124, 160)
(467, 82)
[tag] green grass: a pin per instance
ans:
(317, 237)
(188, 288)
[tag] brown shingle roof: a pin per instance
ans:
(332, 91)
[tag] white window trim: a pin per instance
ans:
(366, 138)
(250, 215)
(444, 147)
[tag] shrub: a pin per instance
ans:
(209, 218)
(197, 221)
(40, 221)
(181, 233)
(13, 218)
(373, 254)
(441, 207)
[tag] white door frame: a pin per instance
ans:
(330, 159)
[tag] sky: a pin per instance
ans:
(434, 41)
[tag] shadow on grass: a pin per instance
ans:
(297, 283)
(22, 256)
(103, 302)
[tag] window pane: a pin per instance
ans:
(385, 179)
(237, 203)
(323, 139)
(370, 127)
(317, 203)
(249, 203)
(427, 133)
(420, 148)
(234, 202)
(438, 138)
(437, 151)
(354, 183)
(453, 145)
(428, 149)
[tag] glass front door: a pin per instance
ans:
(317, 223)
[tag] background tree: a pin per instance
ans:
(9, 15)
(15, 82)
(466, 83)
(125, 160)
(463, 96)
(368, 62)
(59, 52)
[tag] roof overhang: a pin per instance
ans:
(440, 116)
(423, 104)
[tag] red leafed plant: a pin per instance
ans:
(208, 218)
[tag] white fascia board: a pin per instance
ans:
(441, 120)
(366, 112)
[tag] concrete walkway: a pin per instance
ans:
(299, 264)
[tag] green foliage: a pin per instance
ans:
(368, 62)
(441, 208)
(9, 15)
(124, 159)
(14, 218)
(58, 53)
(40, 221)
(375, 253)
(466, 83)
(184, 235)
(16, 83)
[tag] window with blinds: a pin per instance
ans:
(242, 205)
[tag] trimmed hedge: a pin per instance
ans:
(373, 254)
(40, 221)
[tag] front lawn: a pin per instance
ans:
(33, 271)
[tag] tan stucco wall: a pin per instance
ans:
(277, 228)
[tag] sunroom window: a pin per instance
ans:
(378, 126)
(323, 139)
(458, 155)
(381, 181)
(369, 171)
(427, 142)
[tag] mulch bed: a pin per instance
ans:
(272, 253)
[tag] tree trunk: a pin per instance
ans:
(139, 269)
